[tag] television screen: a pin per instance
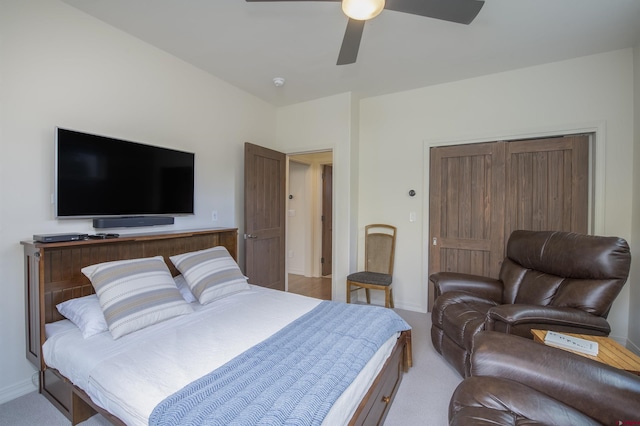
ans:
(98, 176)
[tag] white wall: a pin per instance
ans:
(634, 299)
(318, 126)
(299, 219)
(395, 129)
(60, 67)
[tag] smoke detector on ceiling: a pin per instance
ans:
(278, 81)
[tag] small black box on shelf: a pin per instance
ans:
(58, 238)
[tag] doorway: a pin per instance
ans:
(309, 223)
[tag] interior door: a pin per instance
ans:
(466, 229)
(327, 219)
(264, 216)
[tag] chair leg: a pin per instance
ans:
(348, 292)
(366, 290)
(391, 298)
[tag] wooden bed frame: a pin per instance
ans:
(52, 275)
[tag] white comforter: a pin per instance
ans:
(131, 375)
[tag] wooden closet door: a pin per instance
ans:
(548, 185)
(466, 209)
(480, 193)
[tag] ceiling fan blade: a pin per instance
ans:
(459, 11)
(351, 42)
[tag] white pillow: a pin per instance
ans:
(135, 293)
(211, 274)
(85, 313)
(184, 289)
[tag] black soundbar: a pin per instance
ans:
(129, 222)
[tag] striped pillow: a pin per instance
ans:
(135, 293)
(211, 274)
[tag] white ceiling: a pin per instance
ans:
(248, 44)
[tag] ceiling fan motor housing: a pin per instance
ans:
(362, 9)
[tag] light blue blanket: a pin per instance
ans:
(292, 378)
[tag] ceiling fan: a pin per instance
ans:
(359, 11)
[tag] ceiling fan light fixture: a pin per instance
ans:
(362, 10)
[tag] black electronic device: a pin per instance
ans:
(58, 238)
(102, 236)
(129, 222)
(103, 177)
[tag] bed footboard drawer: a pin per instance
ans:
(385, 388)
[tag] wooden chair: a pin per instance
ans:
(379, 252)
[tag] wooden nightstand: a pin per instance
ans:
(610, 352)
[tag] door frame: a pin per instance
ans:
(596, 182)
(326, 265)
(288, 155)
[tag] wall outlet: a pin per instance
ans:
(214, 215)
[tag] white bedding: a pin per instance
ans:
(131, 375)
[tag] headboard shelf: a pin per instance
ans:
(53, 270)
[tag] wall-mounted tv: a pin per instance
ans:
(98, 176)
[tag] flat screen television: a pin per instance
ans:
(98, 176)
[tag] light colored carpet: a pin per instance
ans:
(423, 396)
(422, 400)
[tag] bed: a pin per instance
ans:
(84, 381)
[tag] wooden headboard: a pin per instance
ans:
(53, 270)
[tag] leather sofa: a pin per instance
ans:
(515, 381)
(549, 280)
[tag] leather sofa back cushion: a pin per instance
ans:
(565, 270)
(538, 288)
(570, 255)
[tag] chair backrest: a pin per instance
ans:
(379, 248)
(565, 269)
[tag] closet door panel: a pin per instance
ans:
(466, 208)
(547, 184)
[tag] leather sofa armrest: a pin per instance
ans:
(484, 287)
(520, 319)
(602, 392)
(485, 400)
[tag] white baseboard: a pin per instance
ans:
(413, 307)
(633, 347)
(296, 271)
(16, 390)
